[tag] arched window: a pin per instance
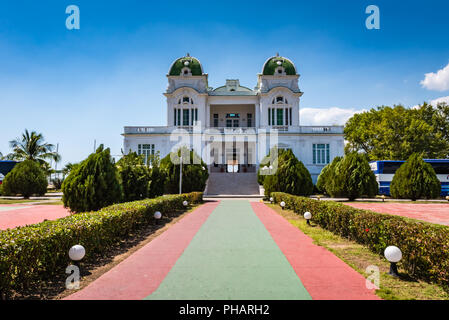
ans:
(185, 114)
(279, 71)
(281, 113)
(186, 71)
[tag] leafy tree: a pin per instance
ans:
(194, 172)
(394, 133)
(288, 175)
(352, 177)
(27, 178)
(31, 146)
(415, 179)
(328, 180)
(92, 184)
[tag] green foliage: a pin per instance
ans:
(288, 174)
(27, 178)
(57, 183)
(93, 184)
(194, 172)
(35, 253)
(396, 133)
(31, 146)
(349, 177)
(135, 177)
(415, 179)
(425, 246)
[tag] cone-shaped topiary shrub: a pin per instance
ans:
(194, 171)
(351, 177)
(135, 177)
(288, 174)
(415, 179)
(92, 184)
(27, 178)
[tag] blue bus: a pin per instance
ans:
(5, 167)
(384, 171)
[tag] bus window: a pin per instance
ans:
(391, 167)
(440, 168)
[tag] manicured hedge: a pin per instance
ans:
(425, 246)
(37, 252)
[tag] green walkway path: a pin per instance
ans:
(232, 257)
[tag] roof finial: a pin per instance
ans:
(277, 54)
(188, 54)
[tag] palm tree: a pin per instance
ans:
(31, 146)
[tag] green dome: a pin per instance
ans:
(190, 62)
(272, 63)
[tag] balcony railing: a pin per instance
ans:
(237, 130)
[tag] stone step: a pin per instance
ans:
(223, 183)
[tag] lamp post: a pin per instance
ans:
(77, 253)
(157, 216)
(180, 175)
(393, 255)
(308, 216)
(282, 205)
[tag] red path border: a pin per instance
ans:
(325, 276)
(140, 274)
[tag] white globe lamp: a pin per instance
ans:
(271, 199)
(157, 215)
(393, 254)
(282, 205)
(77, 253)
(308, 216)
(185, 203)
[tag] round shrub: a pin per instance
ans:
(352, 177)
(288, 175)
(135, 177)
(415, 179)
(93, 184)
(27, 178)
(194, 172)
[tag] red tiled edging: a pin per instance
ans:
(325, 276)
(141, 273)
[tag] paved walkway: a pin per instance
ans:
(434, 213)
(15, 215)
(231, 249)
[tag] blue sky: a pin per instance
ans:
(75, 86)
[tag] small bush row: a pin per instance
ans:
(37, 252)
(425, 246)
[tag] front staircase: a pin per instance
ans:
(232, 184)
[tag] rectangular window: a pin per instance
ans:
(290, 116)
(280, 117)
(228, 123)
(179, 117)
(146, 150)
(196, 114)
(249, 120)
(185, 117)
(215, 120)
(321, 153)
(286, 117)
(269, 116)
(174, 117)
(272, 116)
(235, 123)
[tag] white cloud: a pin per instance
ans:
(325, 116)
(438, 81)
(439, 100)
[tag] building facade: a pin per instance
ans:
(233, 127)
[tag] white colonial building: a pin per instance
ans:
(233, 127)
